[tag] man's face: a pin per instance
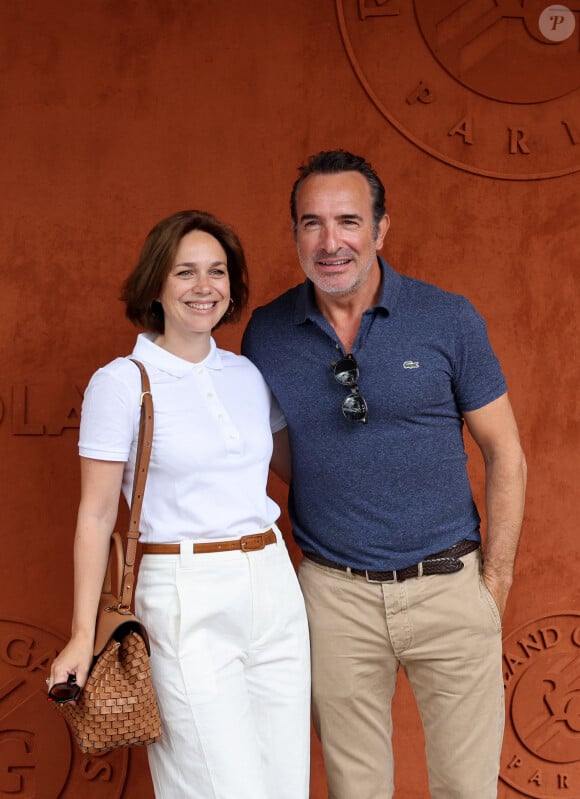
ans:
(335, 236)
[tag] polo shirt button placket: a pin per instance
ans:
(229, 432)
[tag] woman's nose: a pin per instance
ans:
(202, 285)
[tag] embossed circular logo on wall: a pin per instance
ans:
(491, 88)
(541, 751)
(38, 759)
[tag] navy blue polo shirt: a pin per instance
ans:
(381, 495)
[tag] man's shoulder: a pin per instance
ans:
(283, 305)
(417, 295)
(422, 288)
(271, 324)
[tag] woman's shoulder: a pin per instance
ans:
(241, 373)
(119, 376)
(232, 360)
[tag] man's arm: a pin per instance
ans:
(495, 431)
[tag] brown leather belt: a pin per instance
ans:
(247, 543)
(445, 562)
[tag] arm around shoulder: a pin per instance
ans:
(495, 431)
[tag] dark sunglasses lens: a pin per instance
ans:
(64, 692)
(346, 371)
(355, 408)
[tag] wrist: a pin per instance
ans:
(83, 636)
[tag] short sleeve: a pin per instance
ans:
(107, 419)
(478, 378)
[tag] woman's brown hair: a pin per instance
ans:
(145, 283)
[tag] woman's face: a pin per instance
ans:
(196, 292)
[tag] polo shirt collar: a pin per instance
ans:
(306, 308)
(147, 350)
(390, 287)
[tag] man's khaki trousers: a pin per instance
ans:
(445, 632)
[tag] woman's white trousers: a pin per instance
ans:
(230, 665)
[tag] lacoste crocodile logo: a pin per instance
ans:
(410, 364)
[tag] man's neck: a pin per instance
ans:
(344, 311)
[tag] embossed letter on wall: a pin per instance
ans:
(40, 410)
(541, 751)
(492, 88)
(38, 759)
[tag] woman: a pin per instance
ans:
(228, 631)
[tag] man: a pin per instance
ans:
(376, 373)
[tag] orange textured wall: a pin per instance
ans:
(117, 114)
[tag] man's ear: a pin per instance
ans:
(382, 229)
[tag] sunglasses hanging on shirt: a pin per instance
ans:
(354, 406)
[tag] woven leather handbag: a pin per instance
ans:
(117, 706)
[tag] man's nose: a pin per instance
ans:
(329, 238)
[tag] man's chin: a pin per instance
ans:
(335, 285)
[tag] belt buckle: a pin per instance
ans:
(252, 543)
(380, 582)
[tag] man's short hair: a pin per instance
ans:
(328, 162)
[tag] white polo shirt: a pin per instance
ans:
(212, 442)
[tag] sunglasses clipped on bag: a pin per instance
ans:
(62, 692)
(354, 406)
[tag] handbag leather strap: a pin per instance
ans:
(144, 444)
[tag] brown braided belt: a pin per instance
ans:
(445, 562)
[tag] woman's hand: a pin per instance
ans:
(76, 658)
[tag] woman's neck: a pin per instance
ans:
(194, 348)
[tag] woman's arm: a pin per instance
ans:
(100, 489)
